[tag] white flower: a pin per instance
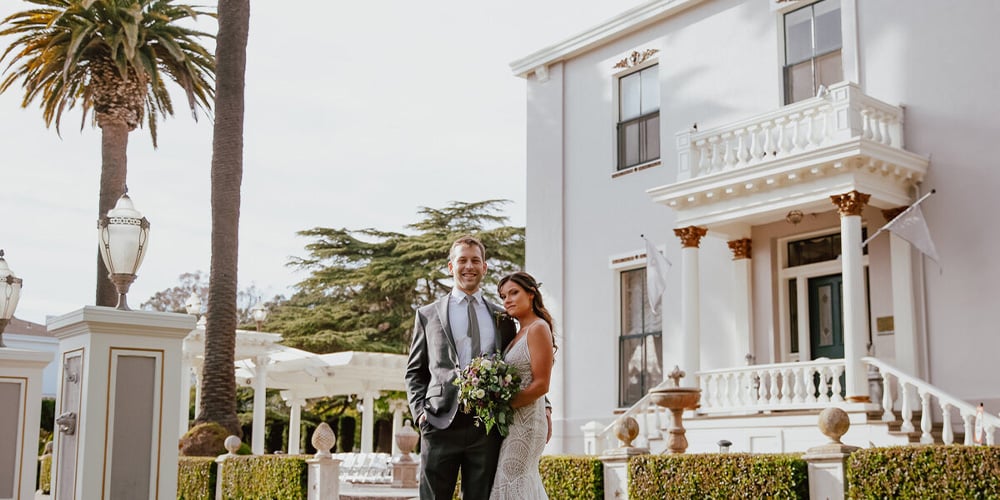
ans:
(487, 364)
(480, 394)
(508, 378)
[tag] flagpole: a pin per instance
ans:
(898, 217)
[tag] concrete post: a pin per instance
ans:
(259, 400)
(20, 414)
(827, 464)
(324, 470)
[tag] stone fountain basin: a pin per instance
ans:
(676, 398)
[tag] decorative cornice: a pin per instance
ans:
(636, 58)
(741, 248)
(851, 203)
(690, 236)
(892, 213)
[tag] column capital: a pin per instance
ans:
(851, 203)
(741, 248)
(892, 213)
(690, 236)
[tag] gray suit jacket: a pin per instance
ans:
(433, 361)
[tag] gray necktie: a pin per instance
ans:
(474, 326)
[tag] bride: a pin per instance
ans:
(531, 352)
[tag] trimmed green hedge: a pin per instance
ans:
(196, 478)
(572, 477)
(277, 477)
(45, 473)
(925, 472)
(717, 475)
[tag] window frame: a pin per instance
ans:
(619, 266)
(848, 42)
(619, 150)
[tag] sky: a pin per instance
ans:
(357, 114)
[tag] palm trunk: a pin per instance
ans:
(114, 144)
(218, 395)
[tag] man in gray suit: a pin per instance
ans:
(447, 334)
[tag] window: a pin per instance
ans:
(818, 249)
(640, 342)
(638, 117)
(812, 49)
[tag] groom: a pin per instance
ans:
(446, 336)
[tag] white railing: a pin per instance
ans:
(907, 389)
(650, 417)
(841, 114)
(781, 386)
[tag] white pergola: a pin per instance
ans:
(262, 363)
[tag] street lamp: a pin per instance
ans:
(259, 314)
(10, 293)
(123, 235)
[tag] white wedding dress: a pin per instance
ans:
(517, 476)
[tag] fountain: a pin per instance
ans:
(676, 399)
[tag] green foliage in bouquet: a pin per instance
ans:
(485, 388)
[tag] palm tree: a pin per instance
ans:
(218, 393)
(112, 57)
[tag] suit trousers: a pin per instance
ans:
(462, 446)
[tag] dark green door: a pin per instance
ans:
(826, 317)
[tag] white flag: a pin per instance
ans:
(656, 275)
(912, 227)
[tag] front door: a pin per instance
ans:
(826, 317)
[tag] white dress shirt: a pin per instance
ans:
(458, 319)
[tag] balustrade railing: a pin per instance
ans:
(841, 114)
(781, 386)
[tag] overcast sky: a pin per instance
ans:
(357, 114)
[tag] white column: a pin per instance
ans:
(185, 395)
(294, 424)
(903, 311)
(397, 422)
(742, 293)
(259, 400)
(690, 305)
(850, 206)
(197, 364)
(368, 423)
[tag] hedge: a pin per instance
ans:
(925, 472)
(277, 477)
(717, 475)
(196, 478)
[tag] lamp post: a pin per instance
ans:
(10, 293)
(259, 313)
(123, 235)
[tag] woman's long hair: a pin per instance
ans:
(528, 283)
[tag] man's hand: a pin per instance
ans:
(548, 420)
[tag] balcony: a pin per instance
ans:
(753, 171)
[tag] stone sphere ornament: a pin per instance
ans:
(232, 444)
(626, 429)
(834, 423)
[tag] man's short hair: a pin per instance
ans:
(467, 240)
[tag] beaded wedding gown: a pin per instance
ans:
(517, 469)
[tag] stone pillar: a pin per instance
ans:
(232, 444)
(324, 470)
(404, 467)
(903, 310)
(690, 295)
(827, 464)
(397, 407)
(294, 424)
(742, 291)
(117, 405)
(259, 404)
(20, 414)
(850, 206)
(616, 460)
(368, 423)
(185, 394)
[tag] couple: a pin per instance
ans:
(446, 336)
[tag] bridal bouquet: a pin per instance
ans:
(485, 388)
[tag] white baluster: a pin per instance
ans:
(728, 155)
(787, 386)
(824, 389)
(866, 124)
(947, 434)
(742, 150)
(710, 390)
(761, 387)
(887, 414)
(823, 131)
(835, 395)
(800, 132)
(745, 386)
(773, 397)
(771, 134)
(876, 119)
(807, 384)
(704, 157)
(785, 139)
(726, 391)
(801, 389)
(886, 123)
(810, 138)
(925, 418)
(907, 407)
(756, 150)
(968, 418)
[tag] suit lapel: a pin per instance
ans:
(442, 311)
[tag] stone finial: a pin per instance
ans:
(626, 429)
(232, 444)
(323, 439)
(406, 439)
(676, 375)
(834, 423)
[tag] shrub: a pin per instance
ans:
(572, 477)
(204, 440)
(716, 475)
(925, 472)
(277, 477)
(196, 478)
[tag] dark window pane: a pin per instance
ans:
(640, 342)
(652, 136)
(633, 294)
(654, 367)
(818, 249)
(829, 69)
(793, 315)
(630, 144)
(799, 82)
